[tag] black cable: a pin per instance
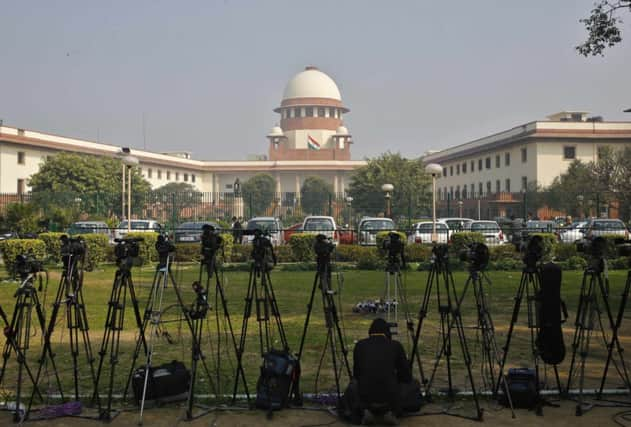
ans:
(625, 416)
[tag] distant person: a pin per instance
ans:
(237, 229)
(382, 385)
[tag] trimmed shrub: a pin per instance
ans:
(283, 253)
(53, 245)
(565, 251)
(188, 252)
(241, 253)
(619, 263)
(418, 253)
(96, 249)
(549, 242)
(504, 252)
(14, 247)
(370, 259)
(302, 246)
(575, 263)
(462, 239)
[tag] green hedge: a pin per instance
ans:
(53, 245)
(302, 246)
(460, 240)
(549, 242)
(14, 247)
(96, 249)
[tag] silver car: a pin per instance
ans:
(422, 233)
(491, 230)
(573, 232)
(606, 227)
(369, 227)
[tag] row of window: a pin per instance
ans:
(458, 193)
(296, 112)
(168, 175)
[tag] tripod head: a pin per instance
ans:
(533, 250)
(394, 248)
(201, 305)
(440, 253)
(125, 251)
(26, 265)
(323, 248)
(476, 255)
(211, 243)
(263, 251)
(165, 248)
(73, 249)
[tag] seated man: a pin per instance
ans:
(380, 370)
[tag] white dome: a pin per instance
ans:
(312, 83)
(276, 131)
(341, 131)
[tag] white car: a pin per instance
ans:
(606, 227)
(457, 225)
(422, 233)
(491, 230)
(321, 225)
(573, 233)
(267, 224)
(369, 227)
(137, 226)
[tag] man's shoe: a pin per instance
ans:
(389, 419)
(368, 418)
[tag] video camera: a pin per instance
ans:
(26, 264)
(263, 250)
(395, 250)
(127, 249)
(323, 247)
(440, 252)
(72, 246)
(211, 241)
(476, 254)
(533, 250)
(164, 247)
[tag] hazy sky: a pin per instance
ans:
(206, 75)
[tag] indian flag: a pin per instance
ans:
(312, 143)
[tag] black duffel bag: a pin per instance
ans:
(279, 377)
(166, 383)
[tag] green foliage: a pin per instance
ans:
(284, 253)
(53, 245)
(176, 196)
(549, 242)
(460, 240)
(20, 217)
(602, 27)
(228, 243)
(504, 252)
(96, 249)
(188, 252)
(302, 246)
(258, 193)
(411, 196)
(14, 247)
(562, 193)
(418, 253)
(241, 253)
(574, 263)
(369, 258)
(316, 196)
(565, 251)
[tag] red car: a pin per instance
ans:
(296, 228)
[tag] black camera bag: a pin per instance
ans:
(166, 383)
(522, 385)
(279, 371)
(549, 306)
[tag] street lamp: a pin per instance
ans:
(349, 203)
(387, 189)
(460, 203)
(237, 187)
(580, 199)
(129, 162)
(435, 170)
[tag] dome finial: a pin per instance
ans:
(310, 67)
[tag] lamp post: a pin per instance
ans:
(580, 199)
(387, 189)
(460, 203)
(129, 162)
(349, 203)
(435, 170)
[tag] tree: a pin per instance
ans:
(258, 193)
(175, 197)
(565, 188)
(92, 183)
(411, 196)
(316, 195)
(602, 27)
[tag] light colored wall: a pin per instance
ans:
(298, 138)
(551, 162)
(201, 180)
(11, 171)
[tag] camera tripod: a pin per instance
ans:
(593, 298)
(70, 293)
(490, 353)
(18, 334)
(151, 323)
(198, 313)
(334, 336)
(530, 283)
(449, 309)
(115, 322)
(260, 292)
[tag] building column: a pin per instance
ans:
(278, 188)
(297, 185)
(336, 187)
(343, 183)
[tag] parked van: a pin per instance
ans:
(321, 225)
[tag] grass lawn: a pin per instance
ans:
(292, 292)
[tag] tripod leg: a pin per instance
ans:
(421, 317)
(271, 296)
(578, 324)
(247, 312)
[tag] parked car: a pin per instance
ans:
(291, 230)
(457, 224)
(7, 235)
(606, 227)
(321, 225)
(191, 232)
(346, 235)
(573, 232)
(422, 232)
(491, 230)
(530, 227)
(137, 226)
(267, 224)
(369, 227)
(91, 227)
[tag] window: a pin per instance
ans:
(508, 185)
(444, 171)
(488, 187)
(309, 111)
(497, 161)
(472, 190)
(497, 185)
(228, 186)
(480, 164)
(464, 191)
(480, 189)
(168, 175)
(21, 158)
(320, 111)
(451, 171)
(185, 177)
(506, 159)
(332, 112)
(458, 169)
(524, 183)
(288, 113)
(488, 162)
(464, 167)
(569, 152)
(524, 155)
(21, 188)
(457, 192)
(192, 177)
(451, 193)
(297, 112)
(177, 176)
(159, 173)
(472, 165)
(149, 173)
